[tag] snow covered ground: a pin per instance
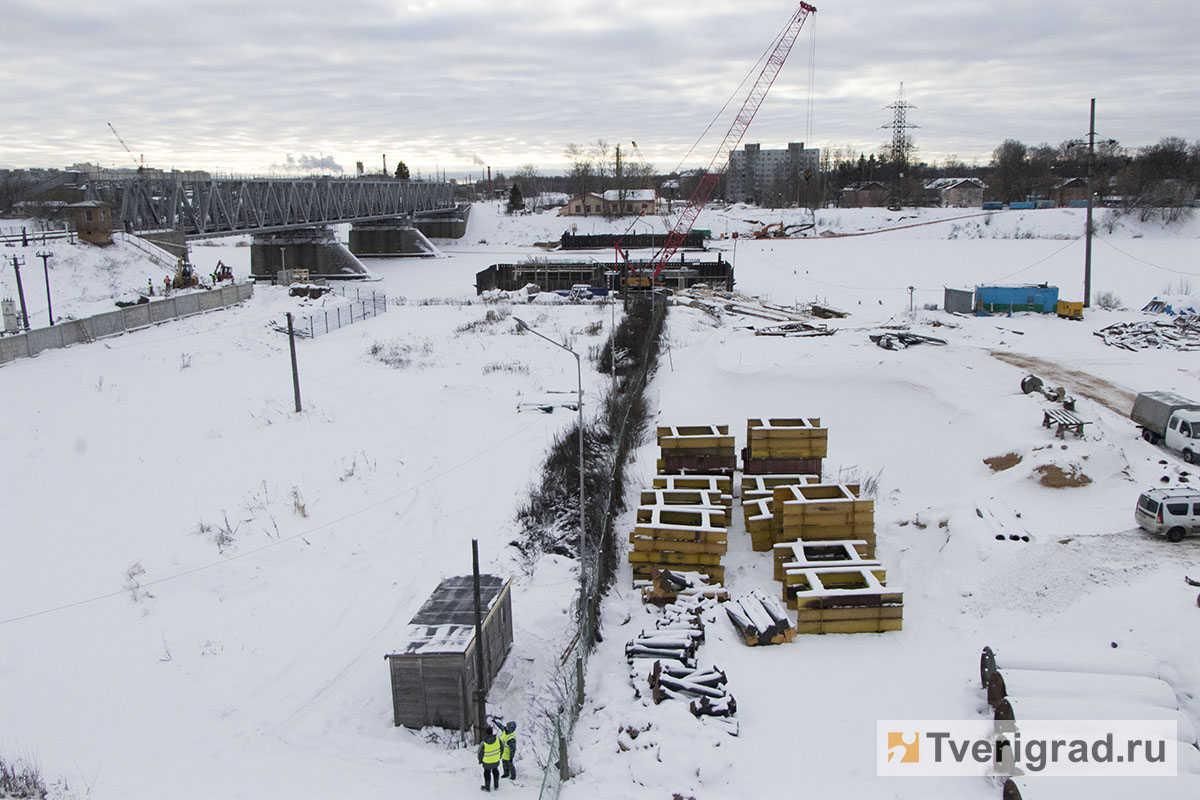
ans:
(198, 584)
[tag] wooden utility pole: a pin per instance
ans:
(480, 665)
(44, 255)
(295, 369)
(17, 261)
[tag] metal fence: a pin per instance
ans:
(360, 306)
(112, 323)
(557, 769)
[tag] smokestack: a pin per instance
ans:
(489, 181)
(385, 172)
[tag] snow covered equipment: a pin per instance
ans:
(760, 619)
(666, 586)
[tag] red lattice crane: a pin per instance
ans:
(708, 180)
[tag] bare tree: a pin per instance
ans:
(530, 182)
(581, 172)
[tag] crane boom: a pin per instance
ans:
(708, 180)
(136, 163)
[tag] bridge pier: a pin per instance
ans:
(389, 238)
(313, 249)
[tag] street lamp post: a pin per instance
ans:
(583, 549)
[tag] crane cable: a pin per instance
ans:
(755, 68)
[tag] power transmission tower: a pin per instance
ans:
(899, 124)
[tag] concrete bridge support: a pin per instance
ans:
(389, 238)
(445, 226)
(313, 249)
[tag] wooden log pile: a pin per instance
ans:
(784, 445)
(844, 600)
(760, 619)
(687, 538)
(697, 448)
(1181, 333)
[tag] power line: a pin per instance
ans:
(276, 542)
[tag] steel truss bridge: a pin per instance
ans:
(219, 207)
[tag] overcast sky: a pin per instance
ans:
(255, 86)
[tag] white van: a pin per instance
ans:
(1173, 512)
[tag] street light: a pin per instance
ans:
(583, 565)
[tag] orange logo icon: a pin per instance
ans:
(903, 748)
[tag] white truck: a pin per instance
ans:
(1171, 419)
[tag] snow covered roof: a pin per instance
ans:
(947, 183)
(446, 622)
(631, 195)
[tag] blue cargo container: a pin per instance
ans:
(993, 205)
(1023, 206)
(1040, 298)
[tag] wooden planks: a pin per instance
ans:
(823, 511)
(834, 553)
(697, 448)
(843, 600)
(786, 438)
(761, 620)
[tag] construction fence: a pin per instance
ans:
(600, 558)
(360, 306)
(113, 323)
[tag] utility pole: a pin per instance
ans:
(480, 665)
(44, 255)
(295, 370)
(17, 261)
(1087, 247)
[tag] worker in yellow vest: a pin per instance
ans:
(489, 756)
(508, 741)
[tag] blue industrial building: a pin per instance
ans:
(1041, 298)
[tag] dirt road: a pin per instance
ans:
(1078, 383)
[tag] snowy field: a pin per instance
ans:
(198, 585)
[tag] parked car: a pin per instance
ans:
(1173, 513)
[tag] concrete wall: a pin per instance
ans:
(112, 323)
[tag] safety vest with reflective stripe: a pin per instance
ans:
(506, 739)
(491, 751)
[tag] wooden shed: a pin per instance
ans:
(93, 221)
(434, 675)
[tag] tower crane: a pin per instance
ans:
(750, 106)
(139, 163)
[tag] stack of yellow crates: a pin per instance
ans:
(849, 599)
(697, 448)
(758, 492)
(679, 538)
(823, 511)
(785, 445)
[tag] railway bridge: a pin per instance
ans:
(288, 218)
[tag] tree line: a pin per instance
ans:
(1162, 174)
